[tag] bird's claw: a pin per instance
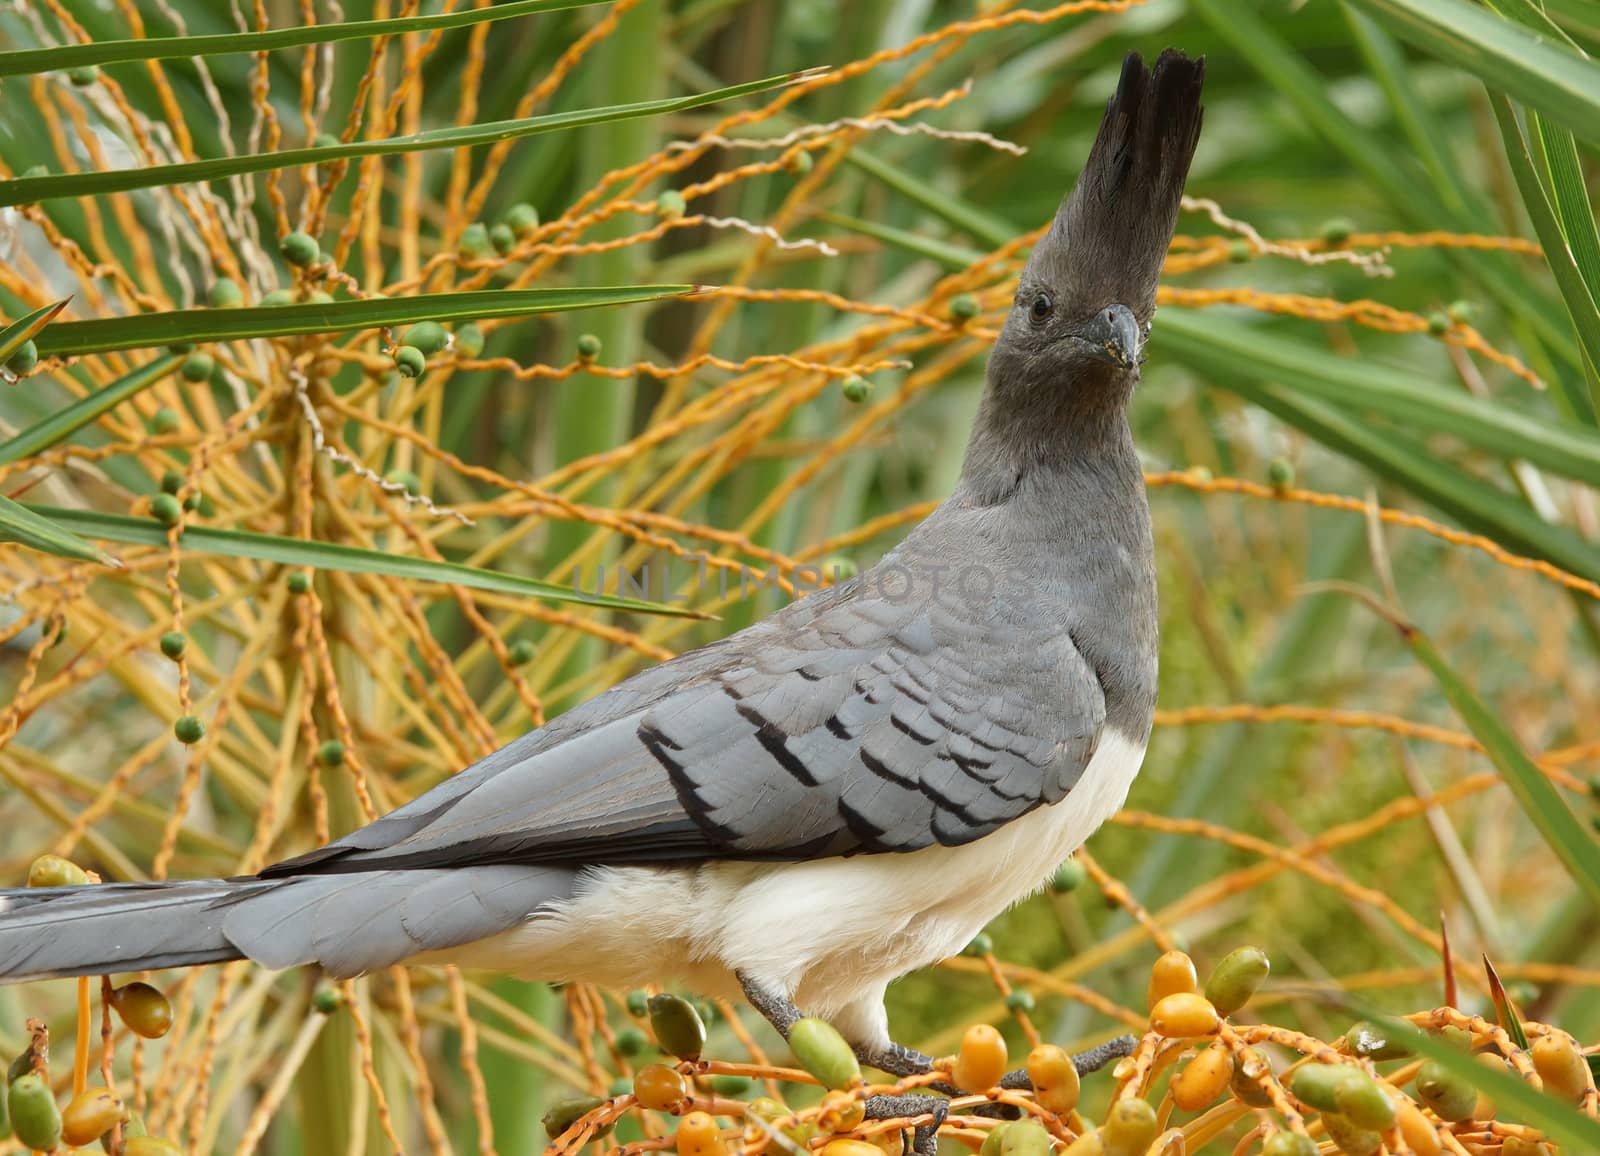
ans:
(925, 1137)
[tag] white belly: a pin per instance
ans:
(830, 933)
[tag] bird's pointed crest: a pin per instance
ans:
(1110, 236)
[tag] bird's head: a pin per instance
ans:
(1075, 336)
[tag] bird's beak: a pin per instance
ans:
(1114, 337)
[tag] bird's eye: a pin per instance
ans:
(1042, 306)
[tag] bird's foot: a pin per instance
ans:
(1090, 1061)
(925, 1137)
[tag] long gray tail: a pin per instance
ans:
(350, 923)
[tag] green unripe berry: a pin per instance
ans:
(469, 340)
(589, 346)
(194, 502)
(632, 1042)
(502, 238)
(324, 140)
(428, 336)
(330, 754)
(823, 1052)
(327, 999)
(1438, 324)
(174, 644)
(638, 1004)
(1239, 251)
(839, 568)
(670, 205)
(198, 367)
(1337, 231)
(565, 1113)
(278, 297)
(225, 294)
(855, 389)
(1068, 877)
(408, 359)
(1236, 978)
(36, 171)
(474, 241)
(963, 307)
(35, 1116)
(299, 248)
(1020, 1001)
(298, 582)
(23, 358)
(1449, 1096)
(166, 509)
(522, 652)
(319, 297)
(731, 1085)
(522, 219)
(404, 478)
(189, 730)
(678, 1027)
(801, 163)
(621, 1086)
(85, 76)
(1280, 473)
(1459, 312)
(982, 944)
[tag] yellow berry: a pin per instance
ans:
(1172, 974)
(1486, 1108)
(1204, 1079)
(92, 1113)
(841, 1112)
(981, 1061)
(54, 871)
(1130, 1128)
(698, 1135)
(844, 1146)
(1055, 1079)
(1416, 1131)
(1560, 1065)
(1183, 1015)
(659, 1087)
(1089, 1144)
(1289, 1144)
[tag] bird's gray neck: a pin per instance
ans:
(1070, 497)
(1023, 431)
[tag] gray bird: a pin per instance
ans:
(835, 796)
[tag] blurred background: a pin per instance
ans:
(1364, 373)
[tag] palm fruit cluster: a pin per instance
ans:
(35, 1112)
(1202, 1078)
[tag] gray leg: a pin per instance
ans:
(777, 1010)
(1090, 1061)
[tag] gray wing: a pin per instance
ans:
(846, 722)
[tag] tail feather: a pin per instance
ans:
(50, 932)
(350, 923)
